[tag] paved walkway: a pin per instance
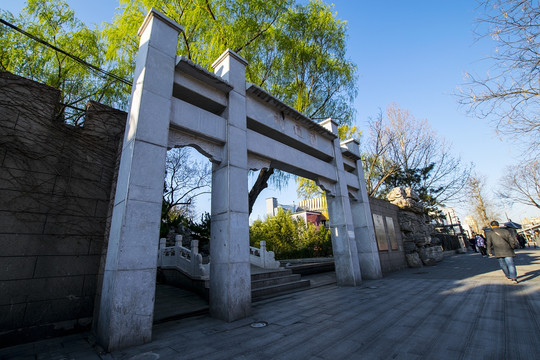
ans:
(462, 308)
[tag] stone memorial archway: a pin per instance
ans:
(239, 127)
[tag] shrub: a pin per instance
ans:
(290, 238)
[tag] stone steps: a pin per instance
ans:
(272, 283)
(259, 273)
(278, 280)
(264, 283)
(312, 268)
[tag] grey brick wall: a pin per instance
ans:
(56, 183)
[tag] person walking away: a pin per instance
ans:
(501, 244)
(472, 242)
(521, 240)
(481, 244)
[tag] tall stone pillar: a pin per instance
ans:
(366, 243)
(341, 222)
(230, 274)
(127, 300)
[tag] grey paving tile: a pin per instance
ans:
(340, 350)
(18, 357)
(261, 340)
(317, 318)
(462, 308)
(248, 356)
(301, 340)
(196, 351)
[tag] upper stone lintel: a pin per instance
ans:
(329, 120)
(167, 20)
(345, 142)
(330, 125)
(226, 53)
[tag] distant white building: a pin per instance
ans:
(450, 222)
(311, 211)
(450, 216)
(531, 222)
(272, 207)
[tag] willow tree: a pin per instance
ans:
(295, 52)
(308, 189)
(52, 24)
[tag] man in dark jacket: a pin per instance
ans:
(500, 243)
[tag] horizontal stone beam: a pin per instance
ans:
(266, 119)
(197, 121)
(350, 149)
(212, 150)
(352, 181)
(289, 159)
(349, 164)
(256, 92)
(199, 93)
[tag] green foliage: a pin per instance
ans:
(55, 23)
(174, 219)
(305, 66)
(169, 219)
(346, 132)
(296, 52)
(308, 189)
(289, 238)
(202, 228)
(417, 179)
(313, 74)
(210, 27)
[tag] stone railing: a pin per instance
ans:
(189, 261)
(262, 258)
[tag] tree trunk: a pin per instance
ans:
(260, 185)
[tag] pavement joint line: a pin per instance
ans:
(379, 318)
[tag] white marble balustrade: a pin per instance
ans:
(189, 261)
(262, 258)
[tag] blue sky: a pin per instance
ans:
(413, 53)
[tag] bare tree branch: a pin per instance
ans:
(480, 204)
(509, 95)
(400, 143)
(521, 184)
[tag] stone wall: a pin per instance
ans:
(388, 234)
(416, 229)
(55, 191)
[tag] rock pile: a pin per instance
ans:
(416, 229)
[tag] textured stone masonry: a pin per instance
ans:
(55, 188)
